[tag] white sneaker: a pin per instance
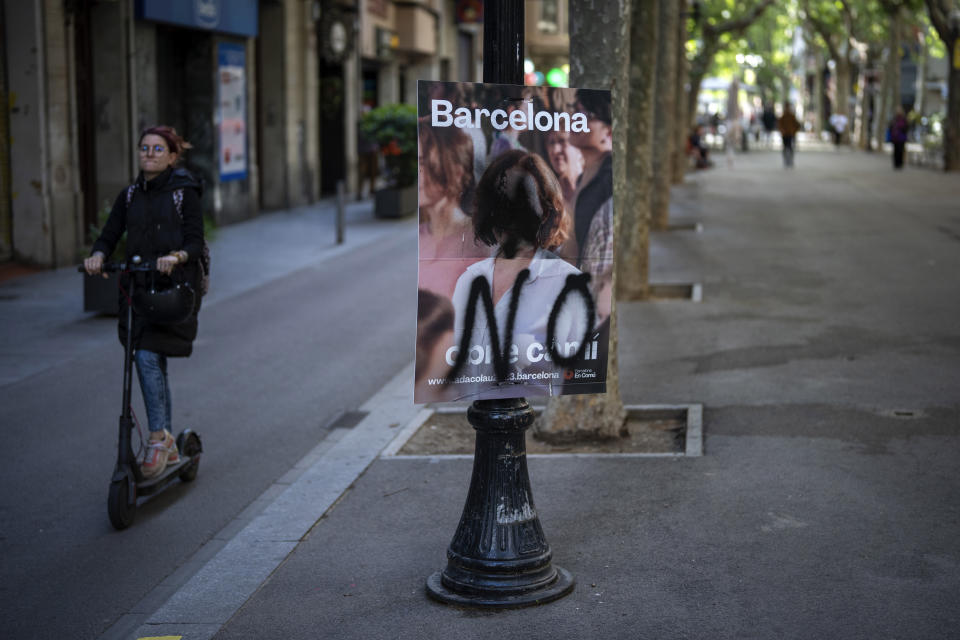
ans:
(159, 453)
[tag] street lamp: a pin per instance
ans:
(499, 556)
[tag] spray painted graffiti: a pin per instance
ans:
(505, 353)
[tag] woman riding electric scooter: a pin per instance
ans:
(161, 216)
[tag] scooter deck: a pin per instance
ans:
(152, 485)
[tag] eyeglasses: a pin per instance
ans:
(157, 148)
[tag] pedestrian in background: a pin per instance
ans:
(769, 118)
(161, 215)
(730, 138)
(839, 123)
(898, 136)
(697, 148)
(789, 126)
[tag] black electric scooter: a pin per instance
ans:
(128, 482)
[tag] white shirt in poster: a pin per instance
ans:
(548, 277)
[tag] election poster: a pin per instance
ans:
(515, 264)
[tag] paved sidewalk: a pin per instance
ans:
(826, 352)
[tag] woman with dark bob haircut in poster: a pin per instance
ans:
(519, 213)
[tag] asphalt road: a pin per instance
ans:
(272, 369)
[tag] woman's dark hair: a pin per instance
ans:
(447, 154)
(175, 141)
(519, 199)
(597, 103)
(434, 318)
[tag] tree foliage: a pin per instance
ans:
(714, 26)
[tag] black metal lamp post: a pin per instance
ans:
(499, 556)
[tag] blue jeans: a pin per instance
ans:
(152, 371)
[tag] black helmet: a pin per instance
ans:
(169, 305)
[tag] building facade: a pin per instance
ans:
(546, 36)
(268, 92)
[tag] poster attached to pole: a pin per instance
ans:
(516, 241)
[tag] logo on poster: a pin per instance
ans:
(443, 115)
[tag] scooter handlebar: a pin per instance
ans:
(135, 265)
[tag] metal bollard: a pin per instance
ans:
(341, 206)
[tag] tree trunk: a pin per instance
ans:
(920, 102)
(698, 70)
(680, 120)
(870, 104)
(882, 100)
(587, 417)
(941, 16)
(599, 57)
(818, 102)
(890, 93)
(890, 97)
(862, 125)
(951, 128)
(633, 264)
(666, 107)
(842, 94)
(896, 27)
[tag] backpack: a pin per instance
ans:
(204, 255)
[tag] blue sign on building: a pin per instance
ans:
(238, 17)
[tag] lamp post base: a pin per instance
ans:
(499, 556)
(561, 585)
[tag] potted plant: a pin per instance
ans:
(394, 128)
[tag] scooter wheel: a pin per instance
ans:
(119, 505)
(188, 443)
